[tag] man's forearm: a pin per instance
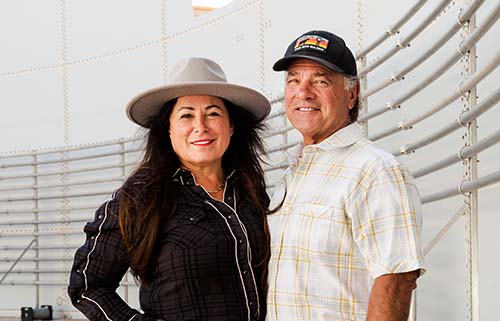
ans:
(391, 297)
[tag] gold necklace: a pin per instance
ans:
(217, 190)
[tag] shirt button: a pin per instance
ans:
(99, 217)
(229, 216)
(251, 303)
(229, 198)
(191, 219)
(240, 241)
(92, 237)
(245, 272)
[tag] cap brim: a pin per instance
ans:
(145, 106)
(283, 63)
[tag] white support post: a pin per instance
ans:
(122, 169)
(362, 63)
(36, 228)
(471, 198)
(363, 102)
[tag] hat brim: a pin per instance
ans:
(145, 106)
(283, 63)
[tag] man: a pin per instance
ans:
(345, 244)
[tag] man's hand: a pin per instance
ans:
(391, 296)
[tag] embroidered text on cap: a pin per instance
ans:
(311, 42)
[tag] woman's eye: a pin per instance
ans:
(213, 114)
(186, 116)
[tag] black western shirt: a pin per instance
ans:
(205, 267)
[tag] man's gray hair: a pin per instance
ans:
(350, 82)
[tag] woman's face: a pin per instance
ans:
(200, 130)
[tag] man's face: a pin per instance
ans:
(316, 101)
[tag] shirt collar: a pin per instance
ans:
(341, 138)
(185, 177)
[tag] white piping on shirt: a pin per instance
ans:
(249, 255)
(88, 259)
(236, 255)
(177, 171)
(100, 308)
(249, 250)
(133, 317)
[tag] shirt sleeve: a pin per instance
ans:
(98, 268)
(387, 222)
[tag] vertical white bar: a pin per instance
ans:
(123, 171)
(36, 213)
(361, 64)
(471, 199)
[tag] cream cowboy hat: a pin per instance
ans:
(196, 76)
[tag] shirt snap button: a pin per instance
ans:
(245, 272)
(229, 216)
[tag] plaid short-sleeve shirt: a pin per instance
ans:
(351, 213)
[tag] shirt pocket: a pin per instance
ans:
(316, 229)
(189, 229)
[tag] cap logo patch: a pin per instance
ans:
(311, 42)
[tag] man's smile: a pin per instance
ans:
(307, 109)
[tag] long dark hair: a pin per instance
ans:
(149, 198)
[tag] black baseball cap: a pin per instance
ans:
(323, 47)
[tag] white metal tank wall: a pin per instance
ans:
(67, 69)
(442, 290)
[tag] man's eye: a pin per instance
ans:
(321, 82)
(292, 81)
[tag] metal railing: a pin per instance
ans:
(34, 194)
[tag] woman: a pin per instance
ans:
(190, 221)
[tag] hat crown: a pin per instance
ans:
(322, 47)
(196, 70)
